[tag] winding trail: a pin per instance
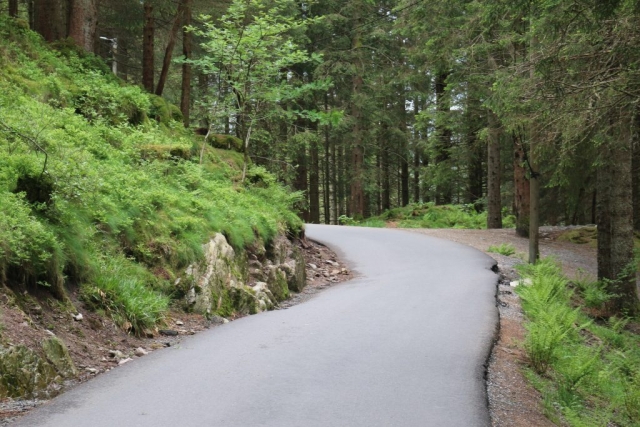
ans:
(402, 345)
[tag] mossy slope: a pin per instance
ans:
(101, 186)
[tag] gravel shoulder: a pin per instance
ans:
(513, 402)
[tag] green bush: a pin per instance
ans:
(587, 369)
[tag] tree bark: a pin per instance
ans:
(301, 182)
(385, 168)
(357, 154)
(521, 188)
(635, 172)
(148, 59)
(83, 20)
(185, 97)
(475, 169)
(494, 203)
(13, 8)
(168, 53)
(50, 18)
(616, 266)
(443, 134)
(314, 183)
(327, 162)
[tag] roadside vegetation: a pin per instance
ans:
(101, 186)
(429, 215)
(586, 365)
(505, 249)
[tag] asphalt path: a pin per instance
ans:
(402, 345)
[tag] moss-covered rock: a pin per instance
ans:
(297, 280)
(162, 111)
(226, 142)
(278, 284)
(25, 373)
(58, 356)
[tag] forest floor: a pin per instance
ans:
(513, 402)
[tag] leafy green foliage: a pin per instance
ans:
(587, 369)
(113, 184)
(505, 249)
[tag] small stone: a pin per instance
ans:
(140, 352)
(225, 320)
(344, 271)
(123, 361)
(78, 317)
(116, 354)
(333, 263)
(167, 344)
(335, 272)
(325, 274)
(179, 322)
(91, 370)
(168, 332)
(313, 266)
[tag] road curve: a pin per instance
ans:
(402, 345)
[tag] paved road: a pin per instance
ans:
(403, 345)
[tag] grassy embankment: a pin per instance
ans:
(428, 215)
(587, 367)
(101, 187)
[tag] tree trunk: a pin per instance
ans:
(334, 180)
(357, 153)
(50, 18)
(475, 169)
(521, 188)
(13, 8)
(327, 177)
(185, 98)
(148, 59)
(168, 53)
(443, 134)
(635, 172)
(341, 183)
(386, 170)
(494, 203)
(616, 267)
(314, 183)
(83, 20)
(301, 183)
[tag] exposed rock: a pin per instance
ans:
(168, 332)
(123, 361)
(25, 373)
(219, 284)
(313, 266)
(78, 317)
(58, 355)
(179, 322)
(140, 352)
(116, 354)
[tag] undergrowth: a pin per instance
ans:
(94, 169)
(430, 215)
(586, 367)
(506, 249)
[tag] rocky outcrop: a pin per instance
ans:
(227, 283)
(27, 373)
